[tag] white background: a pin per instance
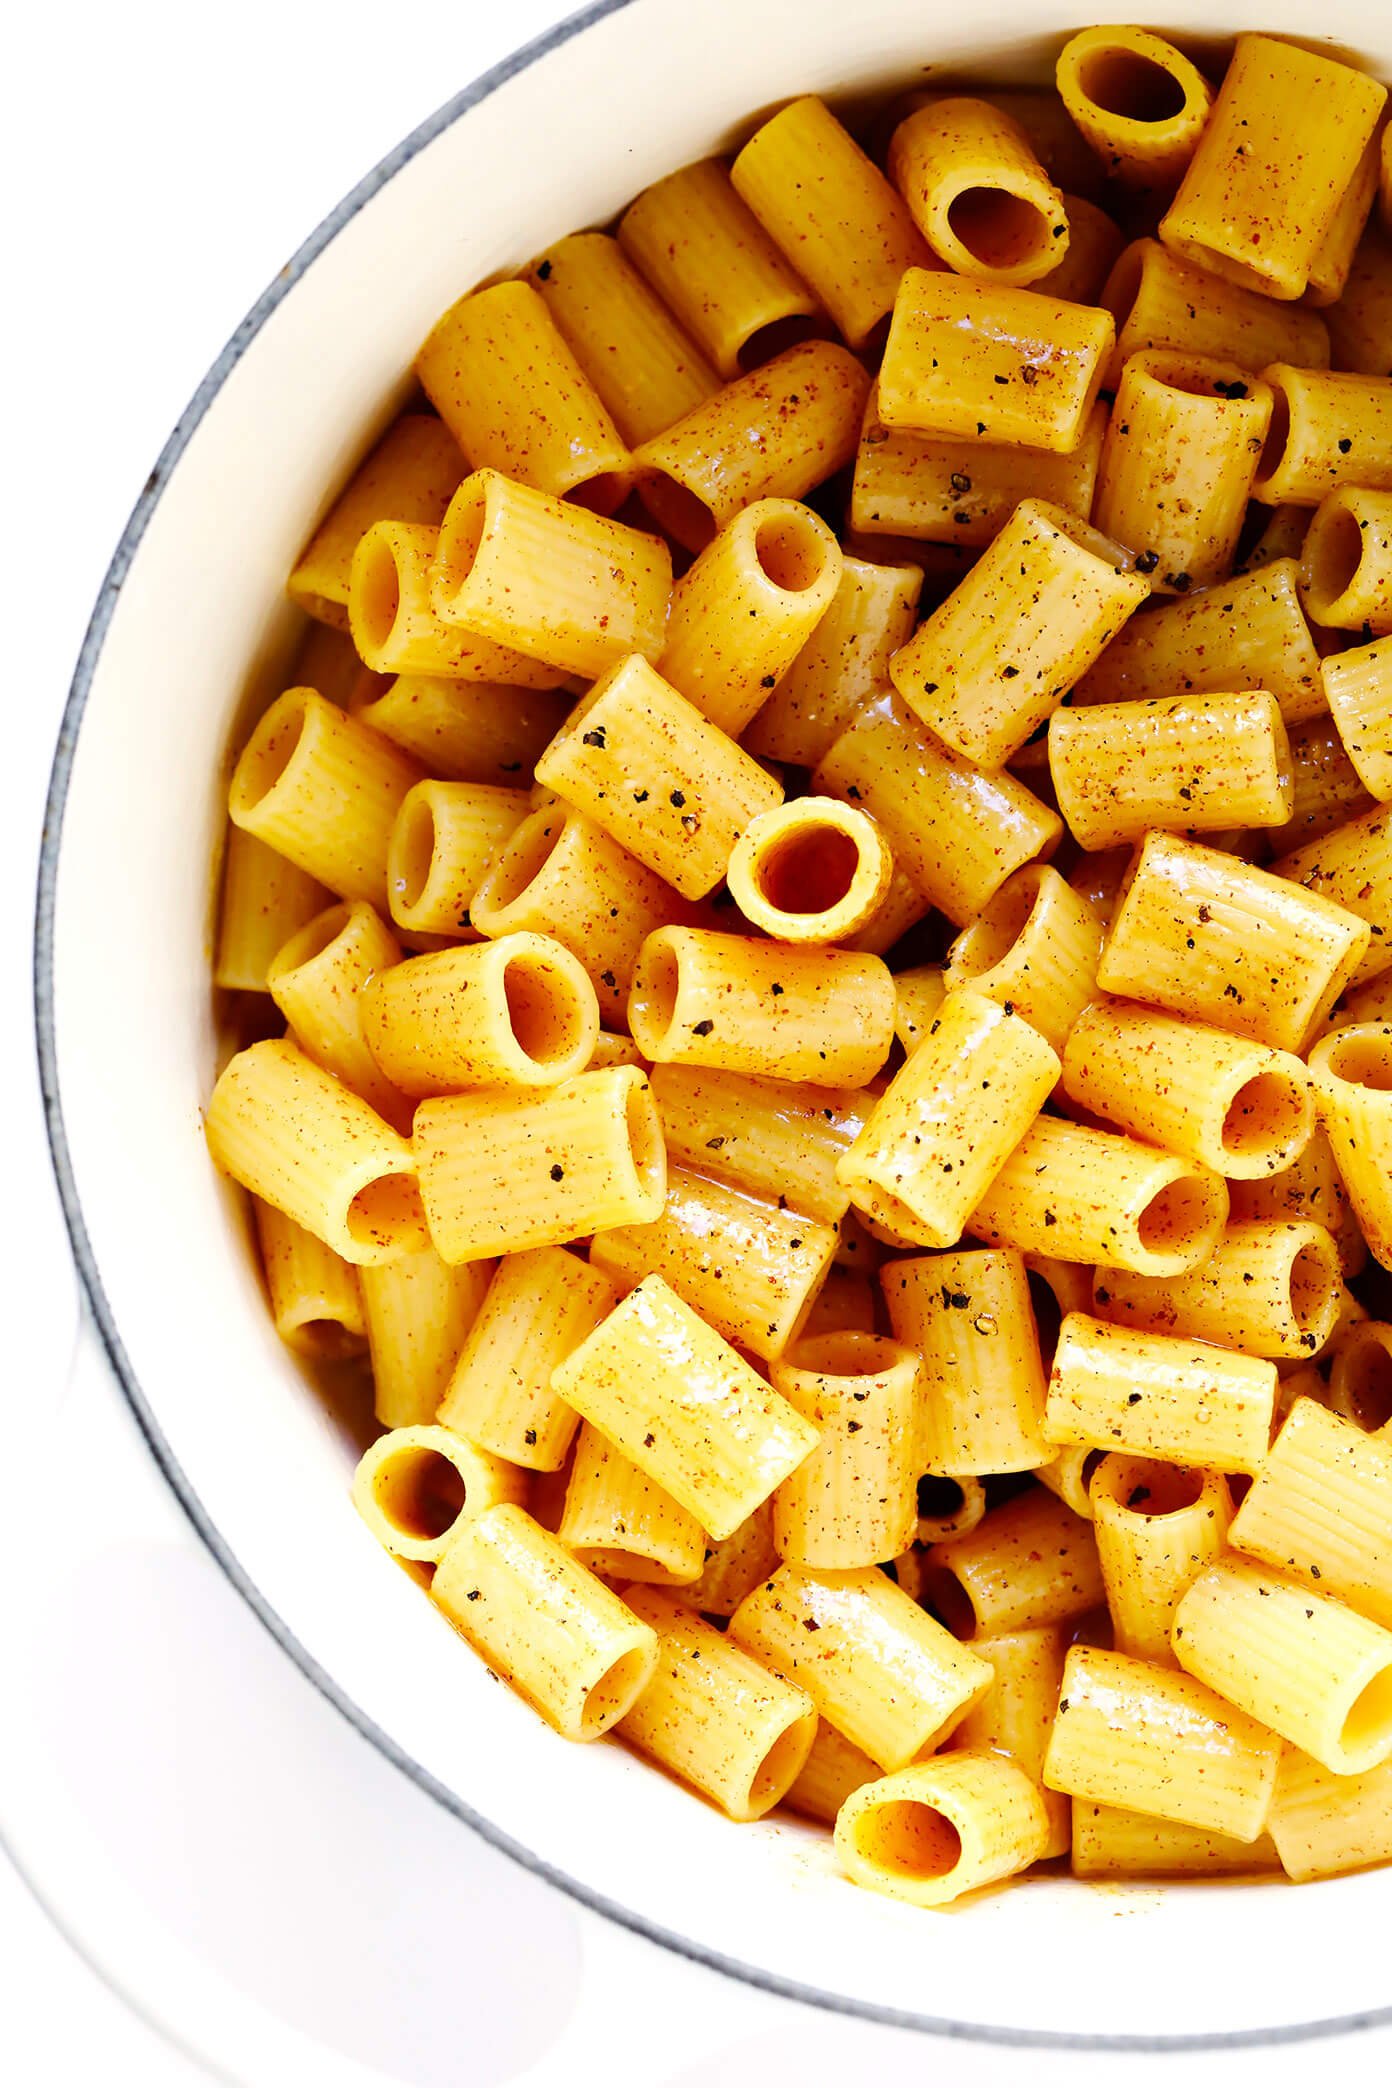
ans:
(239, 1862)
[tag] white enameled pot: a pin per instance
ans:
(190, 633)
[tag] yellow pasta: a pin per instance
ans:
(776, 433)
(1161, 301)
(1219, 941)
(395, 626)
(516, 1013)
(845, 659)
(317, 980)
(831, 212)
(499, 373)
(734, 1565)
(641, 761)
(1346, 566)
(675, 1398)
(1329, 428)
(1360, 323)
(1318, 1510)
(540, 1619)
(946, 1508)
(622, 1524)
(1034, 949)
(315, 1299)
(778, 1138)
(646, 371)
(743, 612)
(443, 839)
(538, 1308)
(918, 995)
(1333, 264)
(1111, 1842)
(902, 908)
(812, 871)
(977, 193)
(884, 1673)
(1016, 1716)
(1358, 685)
(1360, 1376)
(1139, 102)
(845, 1304)
(1156, 1395)
(265, 899)
(1008, 644)
(466, 732)
(1030, 1563)
(969, 1317)
(1095, 244)
(1157, 1527)
(1352, 1070)
(1269, 1290)
(1326, 790)
(707, 999)
(1191, 765)
(1283, 143)
(947, 1122)
(957, 832)
(853, 1501)
(1150, 1740)
(418, 1311)
(1323, 1825)
(325, 659)
(939, 1829)
(540, 576)
(1351, 866)
(833, 1769)
(951, 339)
(750, 1267)
(409, 477)
(714, 1717)
(414, 1487)
(1069, 1475)
(300, 1140)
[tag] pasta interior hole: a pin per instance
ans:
(908, 1839)
(848, 1352)
(791, 553)
(1048, 1314)
(1267, 1114)
(414, 847)
(421, 1492)
(544, 1009)
(1364, 1371)
(1363, 1061)
(384, 1211)
(600, 494)
(379, 589)
(780, 1765)
(767, 341)
(615, 1690)
(520, 862)
(1177, 375)
(1370, 1717)
(808, 869)
(1333, 553)
(1150, 1489)
(270, 750)
(655, 987)
(328, 1339)
(1314, 1283)
(1177, 1217)
(1125, 83)
(997, 228)
(312, 941)
(939, 1500)
(944, 1595)
(1277, 435)
(678, 510)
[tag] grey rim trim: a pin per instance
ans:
(787, 1989)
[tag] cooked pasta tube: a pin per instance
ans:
(674, 1397)
(948, 1120)
(538, 1308)
(1352, 867)
(641, 761)
(1157, 1527)
(503, 1171)
(314, 1296)
(414, 1487)
(1329, 428)
(846, 1302)
(988, 667)
(968, 1315)
(844, 661)
(1091, 1195)
(1352, 1072)
(1219, 941)
(1385, 180)
(956, 831)
(391, 613)
(1333, 264)
(939, 1829)
(749, 1267)
(1189, 420)
(1320, 1509)
(300, 1140)
(317, 980)
(1017, 1715)
(1326, 789)
(418, 1312)
(1282, 144)
(1069, 1475)
(561, 875)
(918, 995)
(830, 211)
(776, 1138)
(1031, 1562)
(1282, 536)
(833, 1769)
(1309, 1188)
(541, 1620)
(1095, 242)
(713, 1716)
(1159, 1396)
(956, 490)
(1230, 1104)
(878, 1668)
(1194, 764)
(902, 908)
(1109, 1841)
(951, 340)
(1269, 1290)
(499, 373)
(814, 870)
(1323, 1825)
(946, 1508)
(1358, 685)
(622, 1524)
(712, 263)
(853, 1501)
(1139, 102)
(1054, 137)
(743, 612)
(1309, 1668)
(443, 839)
(326, 659)
(1151, 1740)
(1034, 949)
(1360, 1378)
(733, 1566)
(776, 433)
(408, 477)
(1247, 633)
(1360, 324)
(645, 369)
(977, 193)
(323, 790)
(265, 900)
(813, 1015)
(1346, 566)
(1370, 1003)
(516, 1013)
(539, 575)
(466, 732)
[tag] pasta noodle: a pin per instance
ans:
(977, 193)
(939, 1829)
(1139, 102)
